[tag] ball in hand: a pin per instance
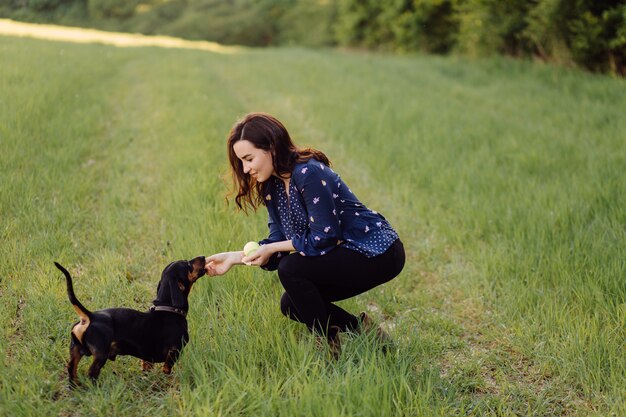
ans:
(250, 248)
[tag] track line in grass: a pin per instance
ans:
(123, 40)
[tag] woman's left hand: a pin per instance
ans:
(259, 257)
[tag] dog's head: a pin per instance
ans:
(176, 281)
(196, 268)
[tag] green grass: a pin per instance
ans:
(504, 179)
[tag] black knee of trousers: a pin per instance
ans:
(285, 304)
(287, 269)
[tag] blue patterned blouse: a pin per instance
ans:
(321, 213)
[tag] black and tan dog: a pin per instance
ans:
(158, 335)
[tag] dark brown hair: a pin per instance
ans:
(267, 133)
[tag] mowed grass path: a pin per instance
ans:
(504, 179)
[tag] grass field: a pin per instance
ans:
(504, 179)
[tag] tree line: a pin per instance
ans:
(587, 33)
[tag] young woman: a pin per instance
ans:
(326, 245)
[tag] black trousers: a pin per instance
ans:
(313, 283)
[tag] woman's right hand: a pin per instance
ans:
(220, 263)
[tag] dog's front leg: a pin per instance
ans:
(146, 366)
(170, 360)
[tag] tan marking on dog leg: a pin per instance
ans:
(114, 349)
(72, 366)
(146, 366)
(170, 359)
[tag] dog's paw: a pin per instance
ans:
(146, 366)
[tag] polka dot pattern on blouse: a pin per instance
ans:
(321, 212)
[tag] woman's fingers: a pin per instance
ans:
(253, 260)
(212, 268)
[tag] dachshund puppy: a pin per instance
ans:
(157, 335)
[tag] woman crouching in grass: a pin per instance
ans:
(326, 245)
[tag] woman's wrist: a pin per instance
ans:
(272, 247)
(236, 257)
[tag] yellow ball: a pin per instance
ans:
(250, 248)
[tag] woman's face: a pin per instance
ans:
(256, 162)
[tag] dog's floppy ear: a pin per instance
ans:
(176, 293)
(162, 275)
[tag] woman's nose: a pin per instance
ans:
(246, 168)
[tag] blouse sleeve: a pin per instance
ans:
(323, 234)
(276, 235)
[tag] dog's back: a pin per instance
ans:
(147, 336)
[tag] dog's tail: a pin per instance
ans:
(82, 312)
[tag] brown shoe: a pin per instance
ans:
(334, 343)
(368, 326)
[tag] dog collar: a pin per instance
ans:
(170, 309)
